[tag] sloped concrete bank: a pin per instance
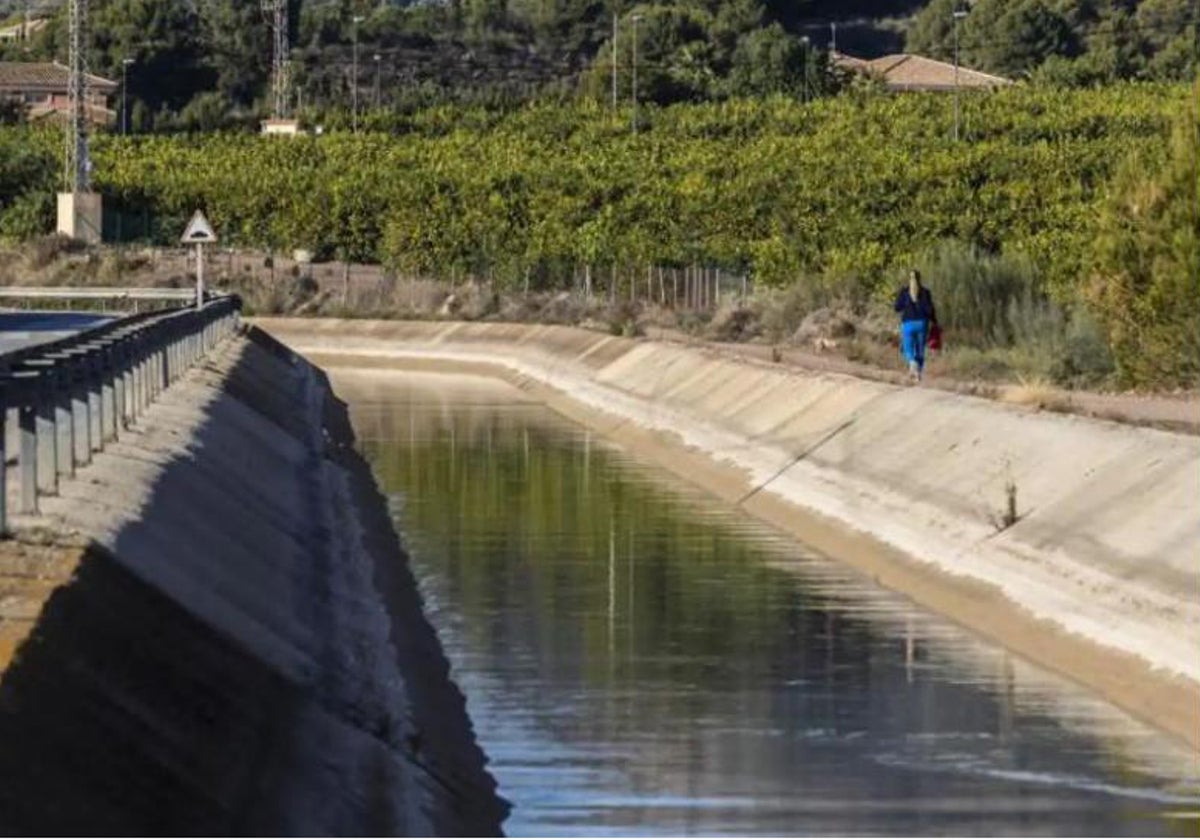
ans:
(239, 648)
(1097, 578)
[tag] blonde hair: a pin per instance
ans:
(914, 283)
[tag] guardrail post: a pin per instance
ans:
(81, 412)
(142, 376)
(108, 397)
(129, 376)
(116, 361)
(27, 457)
(95, 388)
(44, 396)
(47, 434)
(64, 421)
(165, 366)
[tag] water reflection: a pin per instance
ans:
(640, 659)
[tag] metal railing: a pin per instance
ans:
(24, 293)
(75, 395)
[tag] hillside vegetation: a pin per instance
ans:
(204, 64)
(1055, 203)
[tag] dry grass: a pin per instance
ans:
(1037, 394)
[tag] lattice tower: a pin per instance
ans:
(276, 13)
(76, 170)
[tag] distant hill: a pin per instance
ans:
(199, 63)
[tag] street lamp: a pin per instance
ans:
(125, 62)
(614, 61)
(805, 41)
(636, 19)
(354, 76)
(959, 14)
(377, 57)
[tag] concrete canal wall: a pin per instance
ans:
(1098, 577)
(238, 647)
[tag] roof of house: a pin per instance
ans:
(916, 72)
(849, 62)
(41, 75)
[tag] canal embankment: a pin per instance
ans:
(1069, 540)
(211, 629)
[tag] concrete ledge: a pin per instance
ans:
(239, 648)
(1099, 573)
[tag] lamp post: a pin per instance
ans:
(636, 19)
(805, 41)
(377, 58)
(614, 61)
(959, 14)
(354, 76)
(125, 62)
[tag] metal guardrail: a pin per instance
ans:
(77, 394)
(94, 293)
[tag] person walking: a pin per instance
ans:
(914, 302)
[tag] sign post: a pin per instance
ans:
(199, 233)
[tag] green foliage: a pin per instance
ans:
(29, 172)
(984, 298)
(12, 111)
(1066, 41)
(848, 187)
(1146, 284)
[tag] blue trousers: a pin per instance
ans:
(913, 335)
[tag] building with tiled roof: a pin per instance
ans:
(42, 86)
(906, 72)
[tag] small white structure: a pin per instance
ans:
(80, 216)
(278, 126)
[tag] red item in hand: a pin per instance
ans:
(935, 337)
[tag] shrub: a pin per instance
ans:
(975, 292)
(1145, 289)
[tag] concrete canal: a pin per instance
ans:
(639, 657)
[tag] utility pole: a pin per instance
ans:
(959, 14)
(354, 76)
(77, 167)
(636, 19)
(833, 37)
(125, 62)
(377, 58)
(805, 42)
(614, 62)
(276, 12)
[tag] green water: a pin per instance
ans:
(639, 659)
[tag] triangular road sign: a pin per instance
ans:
(199, 231)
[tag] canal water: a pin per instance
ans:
(641, 659)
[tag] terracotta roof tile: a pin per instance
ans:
(916, 72)
(30, 75)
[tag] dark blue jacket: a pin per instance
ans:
(919, 310)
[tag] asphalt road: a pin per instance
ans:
(26, 329)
